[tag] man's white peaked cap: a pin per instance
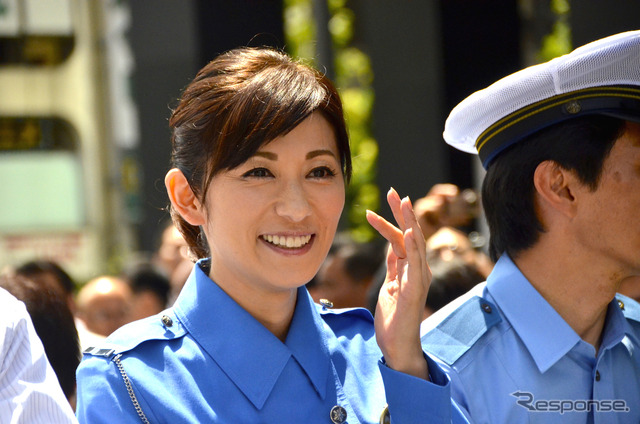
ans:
(602, 77)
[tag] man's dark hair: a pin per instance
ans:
(362, 260)
(580, 145)
(144, 276)
(35, 268)
(451, 279)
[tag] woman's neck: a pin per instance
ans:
(275, 314)
(273, 309)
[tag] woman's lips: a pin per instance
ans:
(287, 242)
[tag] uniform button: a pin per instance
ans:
(486, 307)
(621, 304)
(597, 375)
(573, 107)
(326, 303)
(166, 321)
(385, 418)
(338, 415)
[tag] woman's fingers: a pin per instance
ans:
(411, 221)
(393, 198)
(387, 230)
(419, 274)
(402, 298)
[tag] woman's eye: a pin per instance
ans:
(322, 172)
(257, 173)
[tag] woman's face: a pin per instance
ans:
(270, 221)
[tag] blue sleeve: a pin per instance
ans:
(102, 396)
(414, 400)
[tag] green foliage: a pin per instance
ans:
(558, 42)
(353, 78)
(299, 28)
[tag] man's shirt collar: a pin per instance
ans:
(535, 320)
(617, 327)
(544, 332)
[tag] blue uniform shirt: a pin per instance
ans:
(512, 359)
(207, 360)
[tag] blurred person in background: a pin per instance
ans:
(347, 273)
(50, 272)
(150, 289)
(446, 216)
(104, 305)
(53, 322)
(29, 389)
(446, 206)
(444, 213)
(451, 278)
(172, 255)
(448, 243)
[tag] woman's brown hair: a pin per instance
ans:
(240, 101)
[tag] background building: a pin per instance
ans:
(86, 88)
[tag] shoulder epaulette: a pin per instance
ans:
(455, 335)
(163, 326)
(326, 311)
(630, 308)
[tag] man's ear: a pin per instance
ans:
(183, 200)
(555, 187)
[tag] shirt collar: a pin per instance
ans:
(250, 355)
(544, 332)
(308, 343)
(617, 328)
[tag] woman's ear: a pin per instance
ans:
(183, 200)
(555, 187)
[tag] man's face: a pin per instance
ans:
(608, 219)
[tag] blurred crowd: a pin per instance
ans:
(69, 317)
(354, 272)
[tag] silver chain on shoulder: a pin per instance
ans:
(132, 395)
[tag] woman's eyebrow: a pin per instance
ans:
(267, 155)
(312, 154)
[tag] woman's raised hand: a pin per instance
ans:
(402, 298)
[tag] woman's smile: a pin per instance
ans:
(289, 242)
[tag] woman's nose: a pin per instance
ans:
(293, 203)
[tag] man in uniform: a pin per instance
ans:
(546, 339)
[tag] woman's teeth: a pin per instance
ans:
(287, 241)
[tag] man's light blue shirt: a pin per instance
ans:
(513, 359)
(215, 363)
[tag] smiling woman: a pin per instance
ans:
(290, 190)
(261, 158)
